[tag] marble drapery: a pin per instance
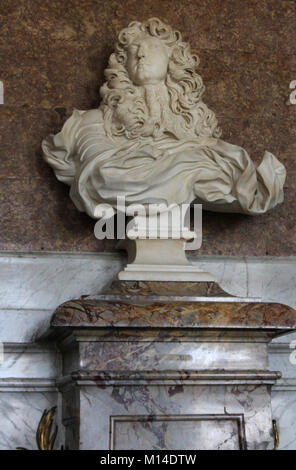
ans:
(166, 169)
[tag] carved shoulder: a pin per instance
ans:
(93, 116)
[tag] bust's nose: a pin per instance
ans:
(141, 52)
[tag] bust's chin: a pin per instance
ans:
(143, 77)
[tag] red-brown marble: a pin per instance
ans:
(162, 288)
(191, 305)
(53, 55)
(83, 313)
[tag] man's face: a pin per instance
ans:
(126, 112)
(147, 60)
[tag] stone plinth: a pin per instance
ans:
(155, 365)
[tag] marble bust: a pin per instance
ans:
(153, 139)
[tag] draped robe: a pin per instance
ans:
(165, 169)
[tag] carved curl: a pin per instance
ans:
(184, 85)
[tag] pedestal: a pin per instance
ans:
(157, 365)
(156, 245)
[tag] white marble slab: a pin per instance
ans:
(20, 415)
(44, 280)
(284, 411)
(30, 361)
(22, 325)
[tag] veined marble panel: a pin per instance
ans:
(280, 359)
(42, 281)
(20, 415)
(272, 279)
(149, 401)
(284, 411)
(203, 432)
(45, 280)
(29, 361)
(146, 355)
(22, 325)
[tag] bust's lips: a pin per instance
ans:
(143, 65)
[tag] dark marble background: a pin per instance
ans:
(52, 57)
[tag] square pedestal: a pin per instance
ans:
(145, 367)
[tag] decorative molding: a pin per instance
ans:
(285, 385)
(279, 348)
(238, 418)
(28, 385)
(30, 348)
(166, 377)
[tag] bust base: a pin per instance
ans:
(152, 272)
(160, 260)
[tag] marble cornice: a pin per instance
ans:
(30, 348)
(28, 384)
(169, 378)
(84, 313)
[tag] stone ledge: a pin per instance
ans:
(167, 377)
(10, 384)
(84, 313)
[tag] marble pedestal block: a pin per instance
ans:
(156, 365)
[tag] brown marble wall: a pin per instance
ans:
(52, 56)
